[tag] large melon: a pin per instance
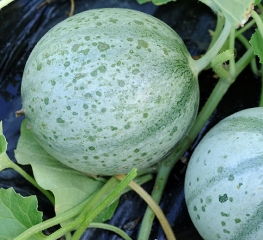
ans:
(108, 90)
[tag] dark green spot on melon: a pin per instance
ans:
(143, 44)
(103, 46)
(135, 71)
(85, 106)
(39, 66)
(165, 51)
(46, 101)
(75, 47)
(237, 220)
(98, 93)
(60, 120)
(223, 198)
(224, 214)
(53, 82)
(121, 83)
(113, 20)
(174, 130)
(113, 128)
(88, 96)
(231, 177)
(138, 22)
(66, 64)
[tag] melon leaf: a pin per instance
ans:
(235, 11)
(18, 214)
(3, 143)
(256, 43)
(4, 159)
(69, 186)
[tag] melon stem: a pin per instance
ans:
(202, 63)
(166, 166)
(154, 207)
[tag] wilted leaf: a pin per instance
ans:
(17, 214)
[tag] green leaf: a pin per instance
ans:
(3, 143)
(155, 2)
(107, 213)
(17, 214)
(257, 2)
(256, 43)
(237, 12)
(4, 159)
(69, 187)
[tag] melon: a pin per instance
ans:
(107, 90)
(224, 179)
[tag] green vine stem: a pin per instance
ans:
(8, 163)
(202, 63)
(112, 228)
(219, 26)
(115, 193)
(161, 179)
(53, 221)
(258, 21)
(245, 28)
(165, 167)
(232, 65)
(154, 206)
(140, 180)
(64, 230)
(253, 62)
(70, 214)
(90, 204)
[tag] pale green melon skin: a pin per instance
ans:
(108, 90)
(224, 179)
